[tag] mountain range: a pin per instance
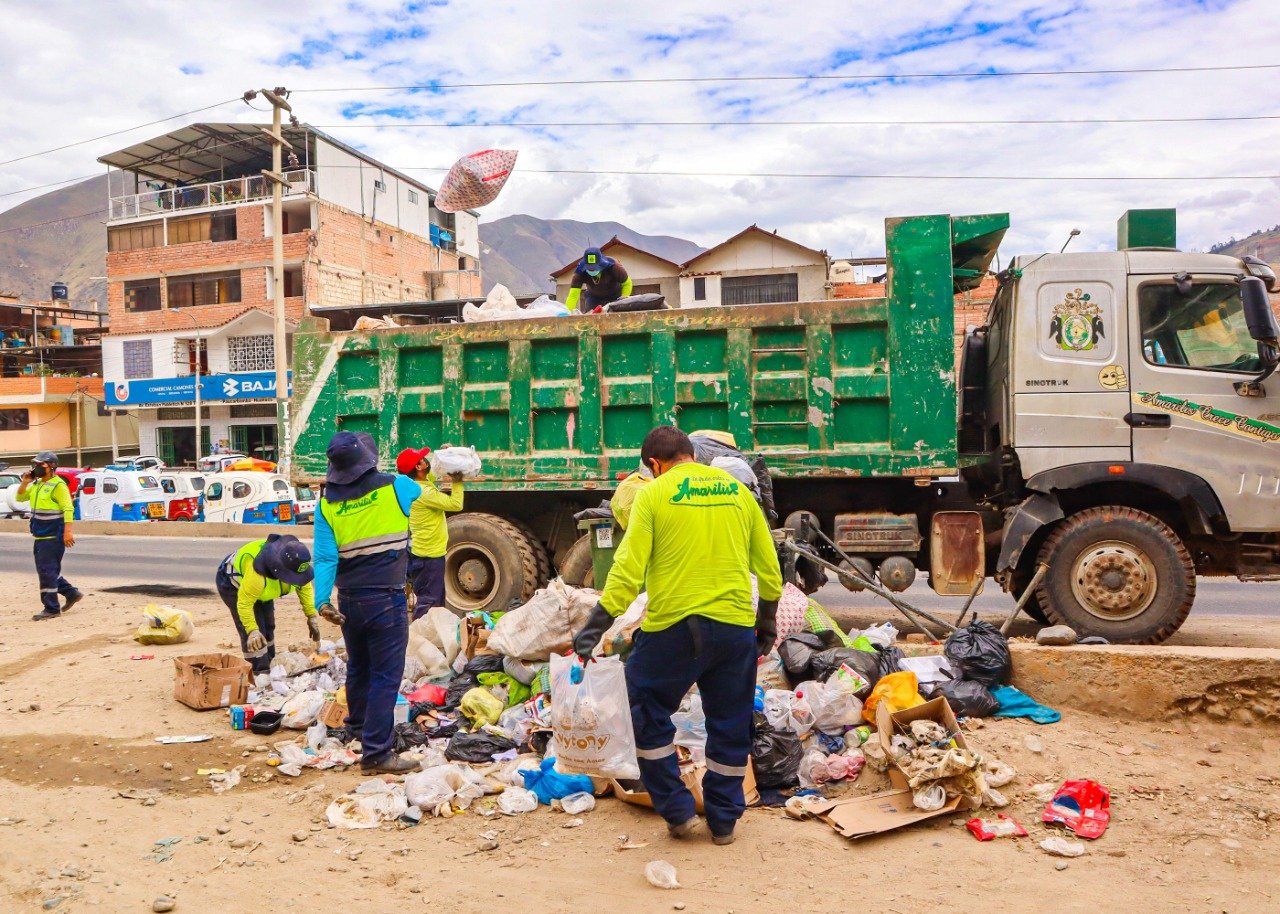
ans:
(60, 236)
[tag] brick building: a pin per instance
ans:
(189, 268)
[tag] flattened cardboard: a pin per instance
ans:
(887, 724)
(861, 817)
(692, 778)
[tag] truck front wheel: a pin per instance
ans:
(491, 565)
(1119, 573)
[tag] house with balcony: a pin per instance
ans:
(51, 393)
(189, 270)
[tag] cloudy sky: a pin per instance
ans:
(76, 69)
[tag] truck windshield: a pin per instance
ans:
(1204, 329)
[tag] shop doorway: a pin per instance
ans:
(176, 446)
(254, 440)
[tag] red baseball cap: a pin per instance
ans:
(409, 458)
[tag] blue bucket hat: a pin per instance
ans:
(285, 558)
(594, 261)
(351, 455)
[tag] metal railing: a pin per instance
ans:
(200, 196)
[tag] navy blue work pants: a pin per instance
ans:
(49, 553)
(427, 577)
(264, 613)
(377, 636)
(721, 660)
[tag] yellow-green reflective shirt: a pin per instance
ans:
(256, 588)
(694, 537)
(428, 529)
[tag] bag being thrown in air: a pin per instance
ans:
(475, 180)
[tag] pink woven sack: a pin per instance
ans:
(475, 180)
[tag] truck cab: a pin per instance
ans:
(248, 497)
(1130, 431)
(120, 495)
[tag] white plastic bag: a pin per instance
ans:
(462, 460)
(930, 798)
(833, 709)
(545, 625)
(575, 804)
(591, 718)
(691, 728)
(516, 800)
(301, 710)
(456, 785)
(786, 711)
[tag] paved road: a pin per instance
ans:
(191, 561)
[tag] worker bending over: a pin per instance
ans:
(252, 578)
(597, 281)
(428, 528)
(51, 513)
(362, 547)
(694, 537)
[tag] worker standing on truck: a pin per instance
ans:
(428, 529)
(51, 514)
(252, 578)
(362, 547)
(597, 281)
(694, 537)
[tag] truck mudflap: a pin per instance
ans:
(1034, 512)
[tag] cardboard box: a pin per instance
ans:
(204, 681)
(860, 817)
(475, 637)
(888, 724)
(334, 713)
(692, 778)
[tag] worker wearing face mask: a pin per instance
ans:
(51, 514)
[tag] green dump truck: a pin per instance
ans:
(1110, 420)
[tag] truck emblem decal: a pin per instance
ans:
(1228, 422)
(1077, 322)
(1113, 377)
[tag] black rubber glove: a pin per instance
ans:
(590, 634)
(766, 626)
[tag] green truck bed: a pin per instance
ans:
(834, 388)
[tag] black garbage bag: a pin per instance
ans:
(979, 652)
(476, 747)
(966, 697)
(483, 663)
(887, 660)
(410, 736)
(797, 652)
(444, 729)
(645, 301)
(775, 755)
(461, 685)
(864, 663)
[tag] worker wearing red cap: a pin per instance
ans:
(428, 529)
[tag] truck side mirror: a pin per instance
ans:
(1258, 315)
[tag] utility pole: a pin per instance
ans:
(277, 97)
(198, 415)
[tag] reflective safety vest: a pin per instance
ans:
(372, 534)
(242, 559)
(51, 507)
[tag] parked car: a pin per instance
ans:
(305, 500)
(119, 495)
(248, 497)
(9, 505)
(145, 462)
(183, 493)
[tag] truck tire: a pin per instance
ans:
(576, 569)
(1119, 573)
(490, 565)
(540, 553)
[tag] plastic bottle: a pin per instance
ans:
(759, 699)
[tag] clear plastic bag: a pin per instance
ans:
(591, 718)
(577, 803)
(786, 711)
(691, 728)
(462, 460)
(301, 711)
(456, 785)
(516, 800)
(930, 798)
(833, 709)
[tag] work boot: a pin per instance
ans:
(41, 616)
(72, 599)
(722, 840)
(684, 829)
(391, 764)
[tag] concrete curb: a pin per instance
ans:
(1160, 682)
(170, 529)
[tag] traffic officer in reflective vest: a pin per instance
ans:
(694, 537)
(51, 513)
(252, 578)
(362, 547)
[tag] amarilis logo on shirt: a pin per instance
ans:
(688, 490)
(357, 504)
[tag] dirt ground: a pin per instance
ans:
(1195, 810)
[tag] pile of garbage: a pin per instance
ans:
(503, 719)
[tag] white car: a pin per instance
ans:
(248, 497)
(305, 501)
(120, 495)
(9, 506)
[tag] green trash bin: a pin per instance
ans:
(605, 536)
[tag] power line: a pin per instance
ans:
(31, 225)
(847, 77)
(810, 123)
(103, 136)
(10, 193)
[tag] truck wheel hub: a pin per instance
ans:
(1114, 581)
(474, 576)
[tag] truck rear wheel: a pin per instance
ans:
(541, 556)
(491, 565)
(576, 569)
(1119, 573)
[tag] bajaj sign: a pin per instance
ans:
(246, 385)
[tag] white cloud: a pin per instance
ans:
(92, 68)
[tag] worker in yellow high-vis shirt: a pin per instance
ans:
(51, 513)
(252, 578)
(694, 537)
(428, 528)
